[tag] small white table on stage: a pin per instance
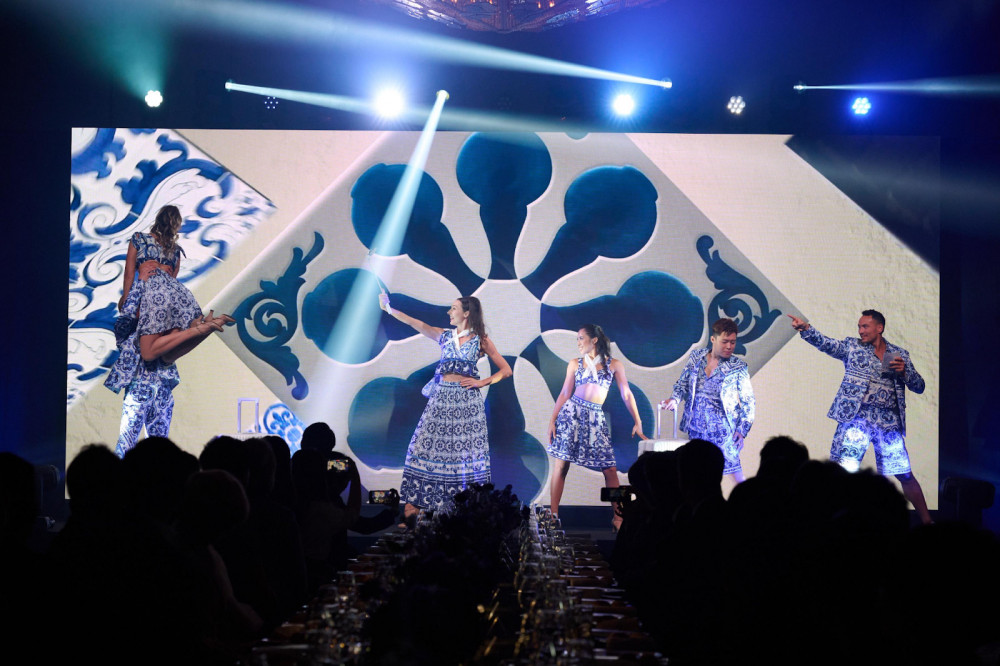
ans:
(659, 444)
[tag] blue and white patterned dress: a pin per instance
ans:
(582, 434)
(450, 447)
(155, 305)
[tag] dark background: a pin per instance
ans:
(52, 81)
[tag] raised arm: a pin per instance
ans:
(567, 390)
(835, 348)
(432, 332)
(626, 392)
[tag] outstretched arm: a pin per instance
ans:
(432, 332)
(567, 390)
(626, 392)
(838, 349)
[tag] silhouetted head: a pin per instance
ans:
(94, 481)
(699, 470)
(227, 453)
(156, 471)
(213, 504)
(319, 437)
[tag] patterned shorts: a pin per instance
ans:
(450, 447)
(876, 426)
(730, 453)
(582, 435)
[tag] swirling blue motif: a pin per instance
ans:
(427, 241)
(727, 303)
(94, 157)
(281, 421)
(648, 301)
(78, 252)
(136, 191)
(274, 316)
(610, 212)
(103, 318)
(503, 173)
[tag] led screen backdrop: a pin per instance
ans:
(651, 236)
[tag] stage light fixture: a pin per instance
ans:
(154, 98)
(270, 103)
(736, 105)
(623, 105)
(389, 103)
(861, 106)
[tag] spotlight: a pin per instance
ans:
(270, 103)
(154, 98)
(389, 103)
(799, 87)
(666, 83)
(736, 105)
(623, 105)
(861, 106)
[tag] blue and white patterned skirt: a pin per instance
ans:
(450, 447)
(165, 304)
(582, 435)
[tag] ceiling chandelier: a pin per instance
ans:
(511, 15)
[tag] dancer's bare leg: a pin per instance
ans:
(914, 494)
(175, 343)
(560, 468)
(611, 481)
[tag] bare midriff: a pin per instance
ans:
(591, 393)
(453, 377)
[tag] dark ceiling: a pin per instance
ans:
(61, 72)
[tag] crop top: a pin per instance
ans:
(147, 249)
(604, 375)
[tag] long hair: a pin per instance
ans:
(472, 306)
(603, 344)
(168, 221)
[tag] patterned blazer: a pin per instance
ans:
(737, 394)
(860, 365)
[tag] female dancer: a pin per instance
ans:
(160, 321)
(450, 448)
(578, 432)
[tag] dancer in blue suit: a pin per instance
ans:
(719, 405)
(870, 406)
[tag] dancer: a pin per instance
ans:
(450, 448)
(718, 400)
(870, 405)
(160, 321)
(578, 432)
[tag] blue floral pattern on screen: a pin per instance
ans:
(119, 179)
(551, 232)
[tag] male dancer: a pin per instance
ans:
(718, 400)
(870, 406)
